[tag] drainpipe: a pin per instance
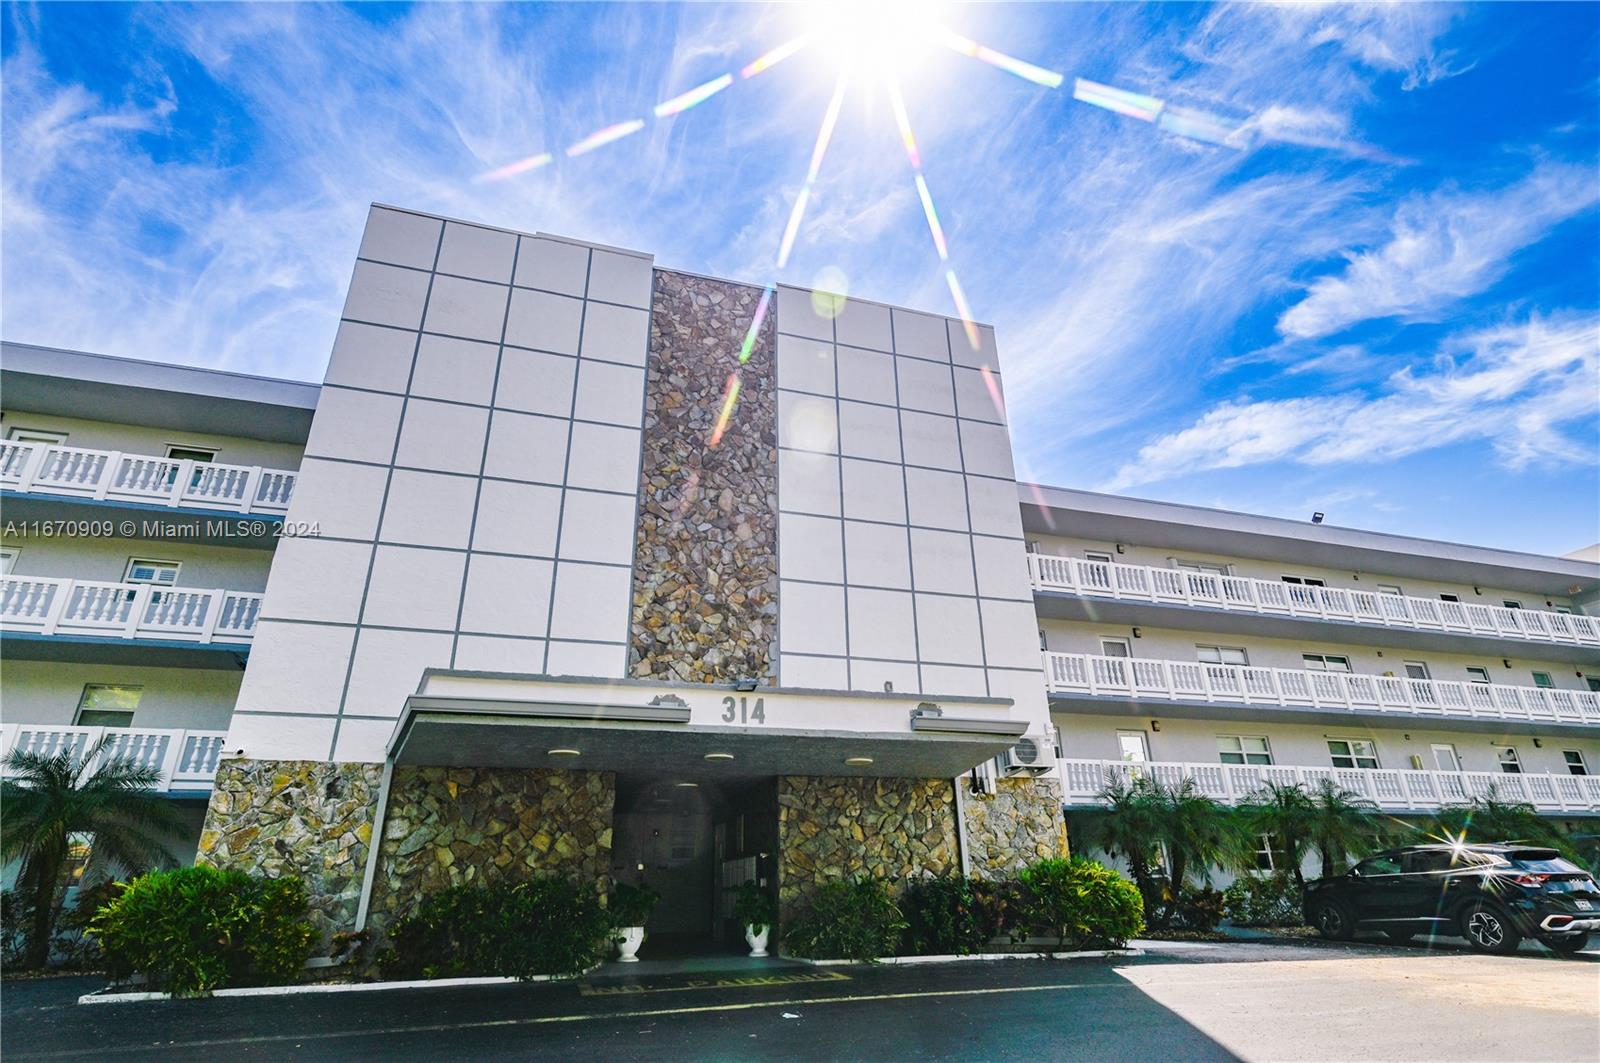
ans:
(961, 825)
(376, 842)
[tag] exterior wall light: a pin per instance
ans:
(858, 762)
(1155, 725)
(744, 685)
(687, 785)
(561, 752)
(719, 756)
(1316, 518)
(1138, 633)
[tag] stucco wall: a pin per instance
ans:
(137, 439)
(49, 692)
(107, 559)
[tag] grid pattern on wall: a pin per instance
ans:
(472, 469)
(900, 543)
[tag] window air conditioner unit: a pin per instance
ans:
(1030, 756)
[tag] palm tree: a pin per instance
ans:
(1125, 828)
(45, 800)
(1286, 814)
(1341, 822)
(1194, 829)
(1489, 819)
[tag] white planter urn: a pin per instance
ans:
(756, 940)
(628, 943)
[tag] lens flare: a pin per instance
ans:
(1131, 104)
(601, 137)
(730, 398)
(898, 104)
(933, 219)
(694, 97)
(532, 162)
(771, 59)
(1009, 63)
(749, 345)
(1180, 121)
(965, 311)
(819, 151)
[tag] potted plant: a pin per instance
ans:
(630, 907)
(754, 909)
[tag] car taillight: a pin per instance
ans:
(1530, 880)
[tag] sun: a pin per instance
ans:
(875, 39)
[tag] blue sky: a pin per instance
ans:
(1381, 299)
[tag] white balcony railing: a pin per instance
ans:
(1083, 673)
(1145, 583)
(187, 760)
(46, 468)
(126, 610)
(1389, 788)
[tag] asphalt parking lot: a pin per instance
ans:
(1267, 1000)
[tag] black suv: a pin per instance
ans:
(1492, 895)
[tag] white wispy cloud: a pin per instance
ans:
(1442, 248)
(1527, 388)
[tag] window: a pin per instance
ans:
(1305, 581)
(8, 560)
(1113, 647)
(1132, 746)
(1243, 749)
(1221, 655)
(1378, 865)
(1044, 643)
(105, 705)
(1564, 609)
(180, 453)
(1100, 556)
(80, 846)
(1201, 566)
(145, 570)
(1429, 861)
(1417, 670)
(1270, 855)
(1575, 762)
(1510, 604)
(1510, 763)
(31, 435)
(1353, 752)
(1449, 598)
(1326, 662)
(1476, 674)
(1542, 679)
(1390, 588)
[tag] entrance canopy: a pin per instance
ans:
(474, 719)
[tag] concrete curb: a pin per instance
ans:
(102, 997)
(901, 961)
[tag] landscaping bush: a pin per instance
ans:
(73, 945)
(16, 917)
(1264, 900)
(951, 915)
(754, 907)
(1198, 909)
(1081, 902)
(631, 905)
(854, 919)
(545, 926)
(201, 928)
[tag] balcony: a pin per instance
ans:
(1389, 619)
(112, 476)
(190, 623)
(1184, 682)
(187, 760)
(1391, 789)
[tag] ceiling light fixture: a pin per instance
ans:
(688, 785)
(561, 752)
(858, 762)
(719, 756)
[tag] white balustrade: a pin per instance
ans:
(48, 468)
(1086, 673)
(126, 610)
(1145, 583)
(1389, 788)
(186, 760)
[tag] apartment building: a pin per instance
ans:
(576, 563)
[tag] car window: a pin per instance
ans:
(1378, 865)
(1425, 862)
(1551, 865)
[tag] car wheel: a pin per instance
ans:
(1333, 922)
(1567, 944)
(1400, 937)
(1487, 929)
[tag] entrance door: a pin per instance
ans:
(1445, 757)
(1133, 746)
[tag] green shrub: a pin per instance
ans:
(201, 928)
(952, 915)
(73, 945)
(753, 906)
(1198, 908)
(545, 926)
(1081, 902)
(16, 919)
(854, 919)
(630, 905)
(1264, 900)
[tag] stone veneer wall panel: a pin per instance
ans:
(453, 826)
(832, 828)
(1017, 824)
(296, 817)
(705, 580)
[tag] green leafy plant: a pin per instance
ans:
(754, 907)
(545, 926)
(74, 946)
(16, 916)
(1081, 902)
(1263, 900)
(1287, 814)
(852, 919)
(950, 915)
(1198, 908)
(1342, 823)
(201, 928)
(45, 800)
(1125, 827)
(1490, 818)
(631, 905)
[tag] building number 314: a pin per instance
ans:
(743, 710)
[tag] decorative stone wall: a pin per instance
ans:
(296, 817)
(832, 828)
(451, 826)
(705, 589)
(1019, 823)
